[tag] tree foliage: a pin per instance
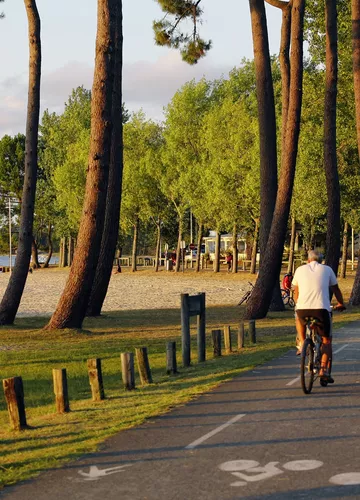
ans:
(168, 33)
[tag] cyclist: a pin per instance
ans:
(313, 283)
(286, 282)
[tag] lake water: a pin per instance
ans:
(4, 260)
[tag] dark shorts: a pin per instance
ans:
(322, 315)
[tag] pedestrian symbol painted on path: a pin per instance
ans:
(95, 473)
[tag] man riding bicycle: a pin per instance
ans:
(313, 284)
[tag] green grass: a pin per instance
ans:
(54, 439)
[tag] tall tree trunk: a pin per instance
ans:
(254, 248)
(13, 293)
(134, 247)
(260, 299)
(113, 195)
(199, 242)
(50, 251)
(34, 255)
(276, 300)
(235, 250)
(292, 245)
(312, 236)
(344, 250)
(355, 21)
(157, 251)
(330, 158)
(216, 263)
(266, 117)
(178, 247)
(72, 307)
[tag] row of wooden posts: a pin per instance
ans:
(14, 391)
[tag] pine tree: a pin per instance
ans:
(11, 300)
(168, 33)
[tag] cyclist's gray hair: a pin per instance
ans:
(314, 255)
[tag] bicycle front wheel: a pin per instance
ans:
(307, 366)
(284, 296)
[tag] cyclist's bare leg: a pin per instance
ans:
(326, 350)
(300, 330)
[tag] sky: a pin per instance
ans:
(151, 74)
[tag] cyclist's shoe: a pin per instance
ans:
(327, 379)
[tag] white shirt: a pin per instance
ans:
(313, 281)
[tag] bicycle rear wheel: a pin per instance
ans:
(307, 366)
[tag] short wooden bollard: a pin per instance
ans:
(14, 395)
(216, 339)
(127, 369)
(95, 378)
(185, 330)
(252, 331)
(227, 339)
(61, 390)
(171, 366)
(241, 336)
(143, 365)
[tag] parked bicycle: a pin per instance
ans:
(247, 294)
(311, 355)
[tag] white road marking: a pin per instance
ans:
(195, 443)
(348, 478)
(301, 465)
(95, 473)
(341, 348)
(292, 382)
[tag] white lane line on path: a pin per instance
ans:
(193, 445)
(341, 348)
(292, 382)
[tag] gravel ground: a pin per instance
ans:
(143, 289)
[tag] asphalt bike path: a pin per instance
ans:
(255, 437)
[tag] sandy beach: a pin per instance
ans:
(143, 289)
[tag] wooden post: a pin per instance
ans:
(241, 336)
(185, 330)
(143, 365)
(61, 390)
(171, 366)
(61, 253)
(216, 338)
(14, 395)
(128, 372)
(95, 378)
(201, 330)
(70, 250)
(227, 339)
(252, 331)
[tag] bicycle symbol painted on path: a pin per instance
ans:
(249, 471)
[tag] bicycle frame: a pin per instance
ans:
(312, 333)
(310, 356)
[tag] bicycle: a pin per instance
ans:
(247, 294)
(287, 298)
(311, 355)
